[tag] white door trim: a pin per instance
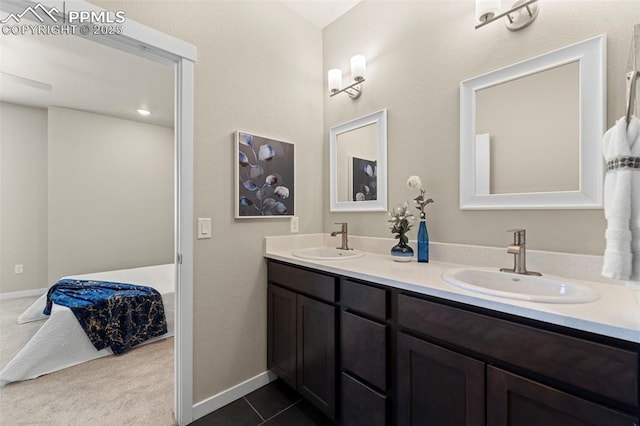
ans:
(153, 44)
(184, 244)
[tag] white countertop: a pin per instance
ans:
(615, 314)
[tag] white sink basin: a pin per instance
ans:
(327, 253)
(520, 287)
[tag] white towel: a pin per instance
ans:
(622, 203)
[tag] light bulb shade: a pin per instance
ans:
(486, 9)
(358, 67)
(335, 80)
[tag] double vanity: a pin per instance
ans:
(370, 341)
(465, 339)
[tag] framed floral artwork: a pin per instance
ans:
(265, 177)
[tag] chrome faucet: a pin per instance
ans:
(343, 232)
(519, 252)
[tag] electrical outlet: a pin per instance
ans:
(295, 225)
(18, 269)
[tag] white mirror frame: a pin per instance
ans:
(591, 56)
(380, 204)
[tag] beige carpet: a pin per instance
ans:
(135, 388)
(12, 335)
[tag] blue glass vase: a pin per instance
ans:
(402, 252)
(423, 242)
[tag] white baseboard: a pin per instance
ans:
(25, 293)
(223, 398)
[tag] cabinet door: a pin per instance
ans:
(281, 333)
(514, 400)
(437, 386)
(317, 354)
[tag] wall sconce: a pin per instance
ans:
(521, 14)
(358, 70)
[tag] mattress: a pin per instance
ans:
(61, 342)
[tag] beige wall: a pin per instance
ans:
(259, 69)
(111, 193)
(23, 197)
(417, 54)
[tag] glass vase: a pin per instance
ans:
(423, 242)
(402, 252)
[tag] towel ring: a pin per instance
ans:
(633, 76)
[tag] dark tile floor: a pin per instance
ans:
(272, 405)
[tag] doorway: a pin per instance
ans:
(151, 44)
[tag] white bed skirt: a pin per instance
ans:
(61, 342)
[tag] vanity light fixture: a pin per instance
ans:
(521, 14)
(143, 112)
(358, 70)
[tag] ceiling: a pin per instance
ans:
(85, 75)
(320, 12)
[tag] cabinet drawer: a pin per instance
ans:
(362, 406)
(364, 349)
(605, 370)
(364, 298)
(307, 282)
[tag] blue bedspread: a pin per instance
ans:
(112, 314)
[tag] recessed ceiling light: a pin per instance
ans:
(143, 112)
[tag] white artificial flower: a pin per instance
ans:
(281, 191)
(414, 182)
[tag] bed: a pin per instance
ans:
(61, 342)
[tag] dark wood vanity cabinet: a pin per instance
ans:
(367, 354)
(455, 365)
(301, 333)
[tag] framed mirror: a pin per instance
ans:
(358, 164)
(531, 133)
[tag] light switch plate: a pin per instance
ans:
(295, 225)
(18, 269)
(204, 228)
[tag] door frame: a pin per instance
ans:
(155, 45)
